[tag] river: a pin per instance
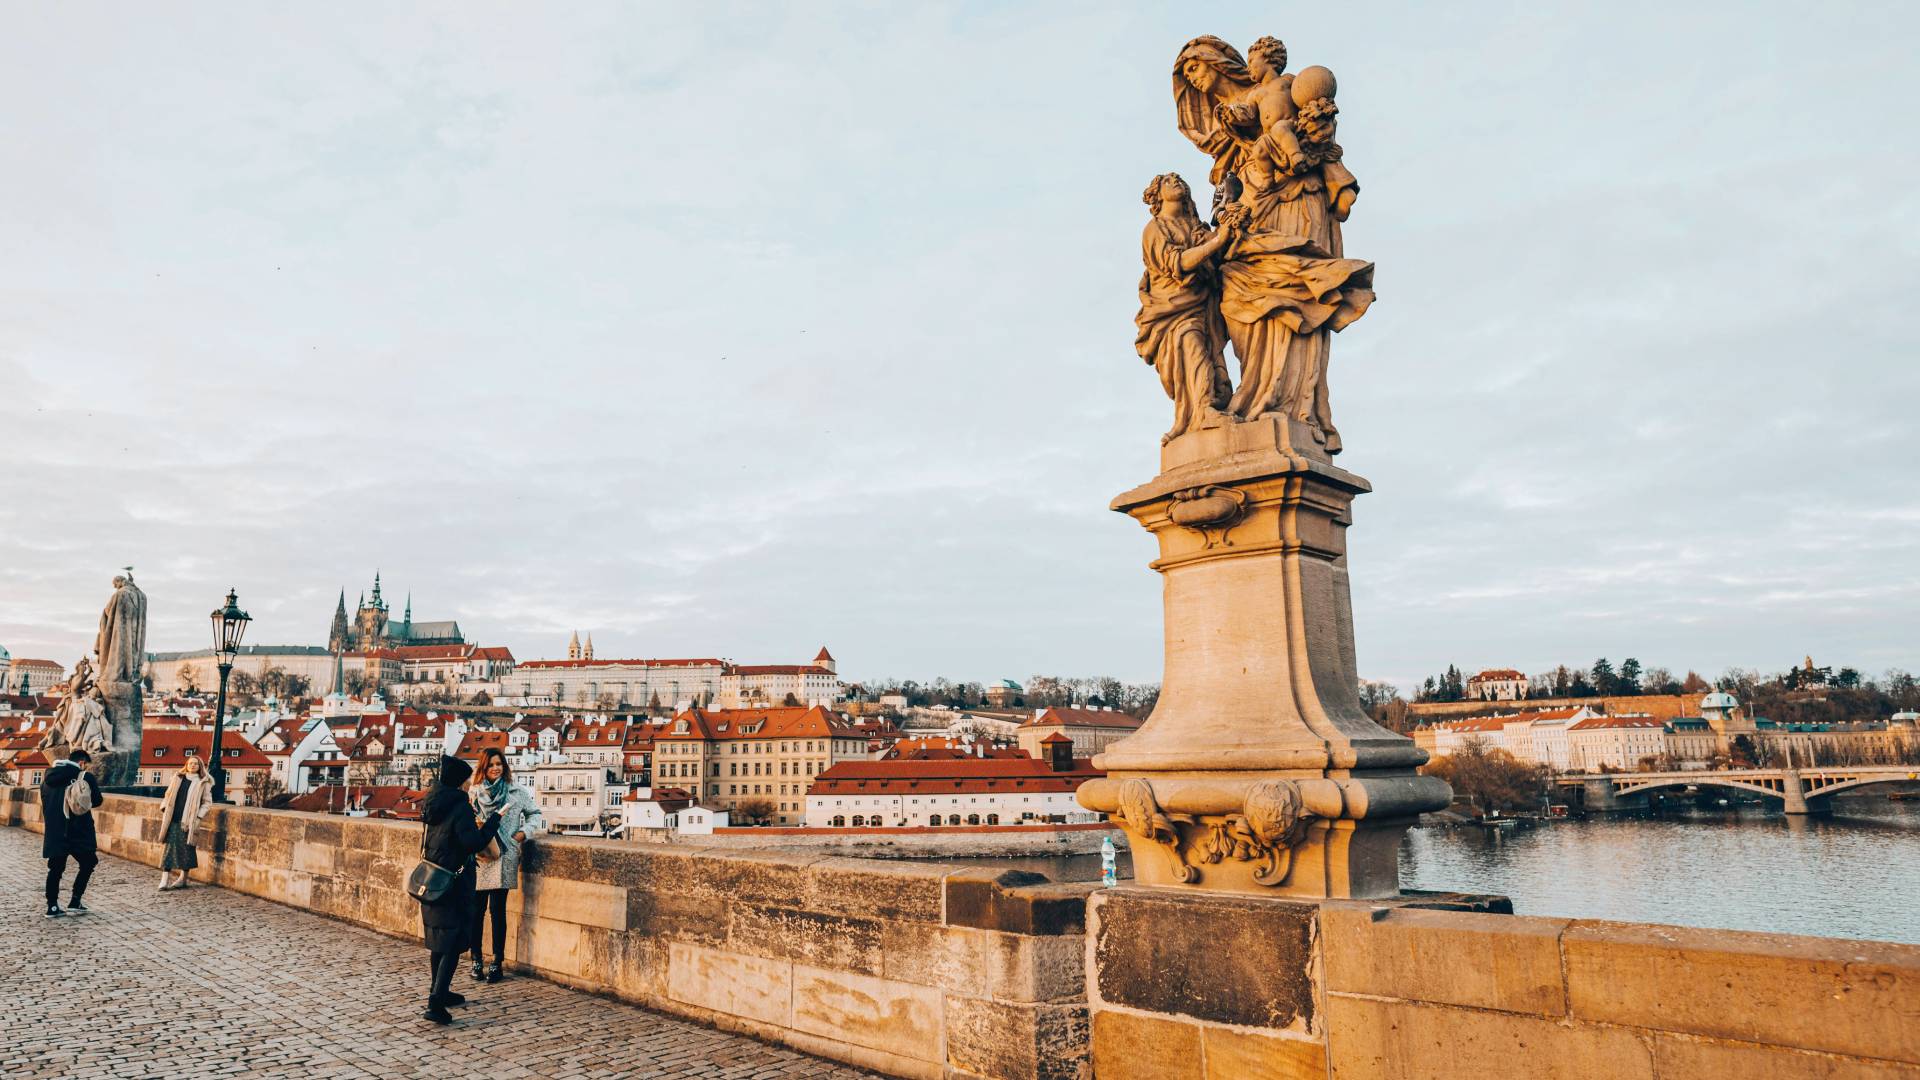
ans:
(1855, 874)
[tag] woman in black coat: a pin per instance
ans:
(453, 837)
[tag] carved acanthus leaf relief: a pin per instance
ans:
(1208, 511)
(1272, 822)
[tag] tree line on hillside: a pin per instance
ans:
(1631, 678)
(1040, 691)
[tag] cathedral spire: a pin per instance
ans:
(407, 619)
(376, 589)
(589, 655)
(337, 634)
(573, 646)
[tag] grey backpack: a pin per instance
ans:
(78, 800)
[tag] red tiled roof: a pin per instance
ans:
(493, 652)
(778, 722)
(433, 652)
(1504, 674)
(1083, 718)
(52, 664)
(622, 663)
(823, 656)
(613, 733)
(473, 743)
(959, 776)
(1595, 723)
(779, 669)
(164, 747)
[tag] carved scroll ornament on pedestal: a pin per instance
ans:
(1272, 821)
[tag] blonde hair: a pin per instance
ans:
(191, 758)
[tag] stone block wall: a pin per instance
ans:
(916, 969)
(1188, 987)
(940, 970)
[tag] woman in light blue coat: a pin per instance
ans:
(494, 792)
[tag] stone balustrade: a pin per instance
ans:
(1186, 987)
(916, 969)
(940, 970)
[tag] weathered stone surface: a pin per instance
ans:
(1026, 967)
(1234, 1054)
(584, 902)
(823, 940)
(1016, 902)
(731, 983)
(1227, 959)
(1399, 1040)
(1845, 997)
(1677, 1057)
(875, 888)
(950, 957)
(997, 1039)
(677, 917)
(1131, 1046)
(897, 1017)
(1453, 958)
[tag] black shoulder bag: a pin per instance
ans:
(429, 881)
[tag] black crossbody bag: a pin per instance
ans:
(429, 881)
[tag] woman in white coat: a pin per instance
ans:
(188, 799)
(494, 792)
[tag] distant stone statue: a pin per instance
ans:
(1179, 329)
(120, 654)
(81, 719)
(1284, 285)
(121, 644)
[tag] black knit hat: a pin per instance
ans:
(453, 771)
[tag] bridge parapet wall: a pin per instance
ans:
(938, 970)
(915, 969)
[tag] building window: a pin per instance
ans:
(858, 821)
(837, 822)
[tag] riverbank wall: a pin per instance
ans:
(936, 970)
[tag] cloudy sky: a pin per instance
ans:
(733, 330)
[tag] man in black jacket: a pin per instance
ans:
(68, 835)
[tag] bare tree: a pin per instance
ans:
(262, 786)
(756, 811)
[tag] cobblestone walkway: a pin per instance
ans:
(206, 982)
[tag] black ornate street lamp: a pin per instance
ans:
(229, 626)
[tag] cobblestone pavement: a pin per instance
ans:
(207, 982)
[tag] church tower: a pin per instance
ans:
(337, 640)
(573, 646)
(589, 652)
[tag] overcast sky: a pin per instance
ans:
(734, 331)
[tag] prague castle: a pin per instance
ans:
(372, 629)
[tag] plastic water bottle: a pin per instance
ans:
(1109, 873)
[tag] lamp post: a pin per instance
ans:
(229, 626)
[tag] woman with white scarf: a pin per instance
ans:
(494, 792)
(188, 800)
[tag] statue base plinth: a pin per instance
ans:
(1259, 772)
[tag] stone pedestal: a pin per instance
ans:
(1259, 772)
(120, 767)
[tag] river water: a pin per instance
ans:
(1855, 874)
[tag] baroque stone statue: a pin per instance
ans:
(81, 719)
(1259, 771)
(120, 653)
(1281, 190)
(121, 644)
(1179, 329)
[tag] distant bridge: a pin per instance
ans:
(1801, 791)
